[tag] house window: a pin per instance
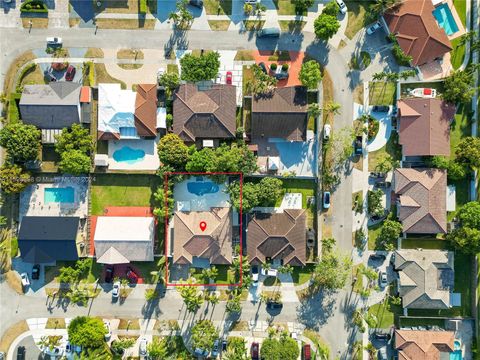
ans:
(128, 133)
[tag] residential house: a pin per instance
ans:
(204, 117)
(200, 246)
(417, 32)
(279, 237)
(425, 278)
(424, 344)
(127, 114)
(123, 239)
(54, 106)
(421, 200)
(424, 126)
(46, 239)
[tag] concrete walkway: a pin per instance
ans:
(384, 130)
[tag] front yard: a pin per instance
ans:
(358, 18)
(392, 148)
(218, 7)
(122, 190)
(382, 93)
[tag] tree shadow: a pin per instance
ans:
(308, 312)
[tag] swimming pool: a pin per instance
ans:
(456, 355)
(59, 195)
(200, 188)
(445, 19)
(128, 155)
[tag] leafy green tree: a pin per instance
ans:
(233, 304)
(203, 160)
(310, 74)
(200, 68)
(13, 179)
(325, 26)
(466, 237)
(50, 342)
(269, 190)
(331, 8)
(204, 334)
(284, 348)
(120, 345)
(386, 163)
(157, 349)
(172, 151)
(182, 18)
(455, 169)
(303, 5)
(75, 138)
(74, 162)
(374, 199)
(236, 159)
(468, 152)
(459, 87)
(332, 271)
(249, 195)
(21, 141)
(170, 81)
(469, 215)
(390, 231)
(381, 6)
(87, 332)
(261, 83)
(159, 196)
(151, 294)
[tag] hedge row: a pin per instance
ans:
(13, 112)
(35, 6)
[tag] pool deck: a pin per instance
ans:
(203, 202)
(149, 162)
(458, 21)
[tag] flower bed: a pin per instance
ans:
(34, 6)
(373, 126)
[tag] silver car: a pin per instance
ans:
(142, 347)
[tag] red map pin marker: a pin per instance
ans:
(203, 225)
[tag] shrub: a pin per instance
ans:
(25, 70)
(13, 112)
(169, 121)
(373, 126)
(273, 66)
(284, 67)
(143, 6)
(402, 58)
(35, 6)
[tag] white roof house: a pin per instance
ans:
(116, 109)
(120, 238)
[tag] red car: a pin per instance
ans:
(229, 78)
(306, 352)
(70, 74)
(131, 275)
(254, 351)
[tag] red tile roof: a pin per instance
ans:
(146, 110)
(417, 31)
(423, 345)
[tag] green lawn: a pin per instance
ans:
(301, 275)
(420, 321)
(384, 314)
(122, 190)
(457, 54)
(461, 7)
(292, 26)
(382, 93)
(424, 243)
(392, 148)
(374, 232)
(218, 7)
(357, 16)
(51, 272)
(286, 7)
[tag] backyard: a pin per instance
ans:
(122, 190)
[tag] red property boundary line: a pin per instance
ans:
(165, 188)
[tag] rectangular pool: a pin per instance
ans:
(445, 19)
(59, 195)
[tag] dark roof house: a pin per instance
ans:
(278, 236)
(44, 239)
(421, 200)
(425, 126)
(204, 114)
(283, 114)
(52, 106)
(417, 32)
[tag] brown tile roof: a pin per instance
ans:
(215, 243)
(425, 126)
(209, 114)
(284, 114)
(423, 345)
(278, 236)
(417, 31)
(146, 110)
(422, 200)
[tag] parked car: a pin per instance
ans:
(200, 352)
(263, 67)
(358, 145)
(383, 184)
(215, 348)
(373, 28)
(392, 259)
(273, 305)
(25, 279)
(49, 76)
(229, 78)
(306, 352)
(108, 335)
(68, 347)
(342, 6)
(36, 272)
(196, 3)
(326, 199)
(377, 257)
(378, 175)
(272, 32)
(54, 41)
(381, 108)
(281, 75)
(142, 347)
(224, 345)
(255, 275)
(382, 279)
(70, 74)
(380, 217)
(116, 289)
(252, 2)
(382, 336)
(109, 274)
(131, 275)
(327, 129)
(21, 353)
(254, 351)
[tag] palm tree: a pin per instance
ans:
(266, 266)
(50, 342)
(466, 38)
(102, 353)
(233, 304)
(378, 76)
(332, 107)
(407, 73)
(314, 110)
(232, 354)
(285, 269)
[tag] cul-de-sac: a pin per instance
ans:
(239, 179)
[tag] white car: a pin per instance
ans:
(54, 41)
(382, 279)
(116, 289)
(142, 347)
(327, 129)
(373, 28)
(343, 7)
(252, 2)
(108, 335)
(25, 279)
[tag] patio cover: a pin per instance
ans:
(273, 163)
(112, 256)
(161, 118)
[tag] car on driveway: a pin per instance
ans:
(326, 199)
(255, 275)
(380, 108)
(55, 41)
(116, 289)
(215, 348)
(21, 353)
(49, 76)
(383, 184)
(306, 352)
(254, 351)
(342, 6)
(229, 78)
(377, 175)
(358, 145)
(36, 272)
(274, 305)
(25, 279)
(142, 347)
(281, 75)
(131, 275)
(272, 32)
(70, 74)
(382, 279)
(371, 29)
(377, 257)
(68, 347)
(327, 129)
(196, 3)
(200, 352)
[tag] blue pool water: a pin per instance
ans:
(59, 195)
(128, 155)
(200, 188)
(456, 355)
(445, 19)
